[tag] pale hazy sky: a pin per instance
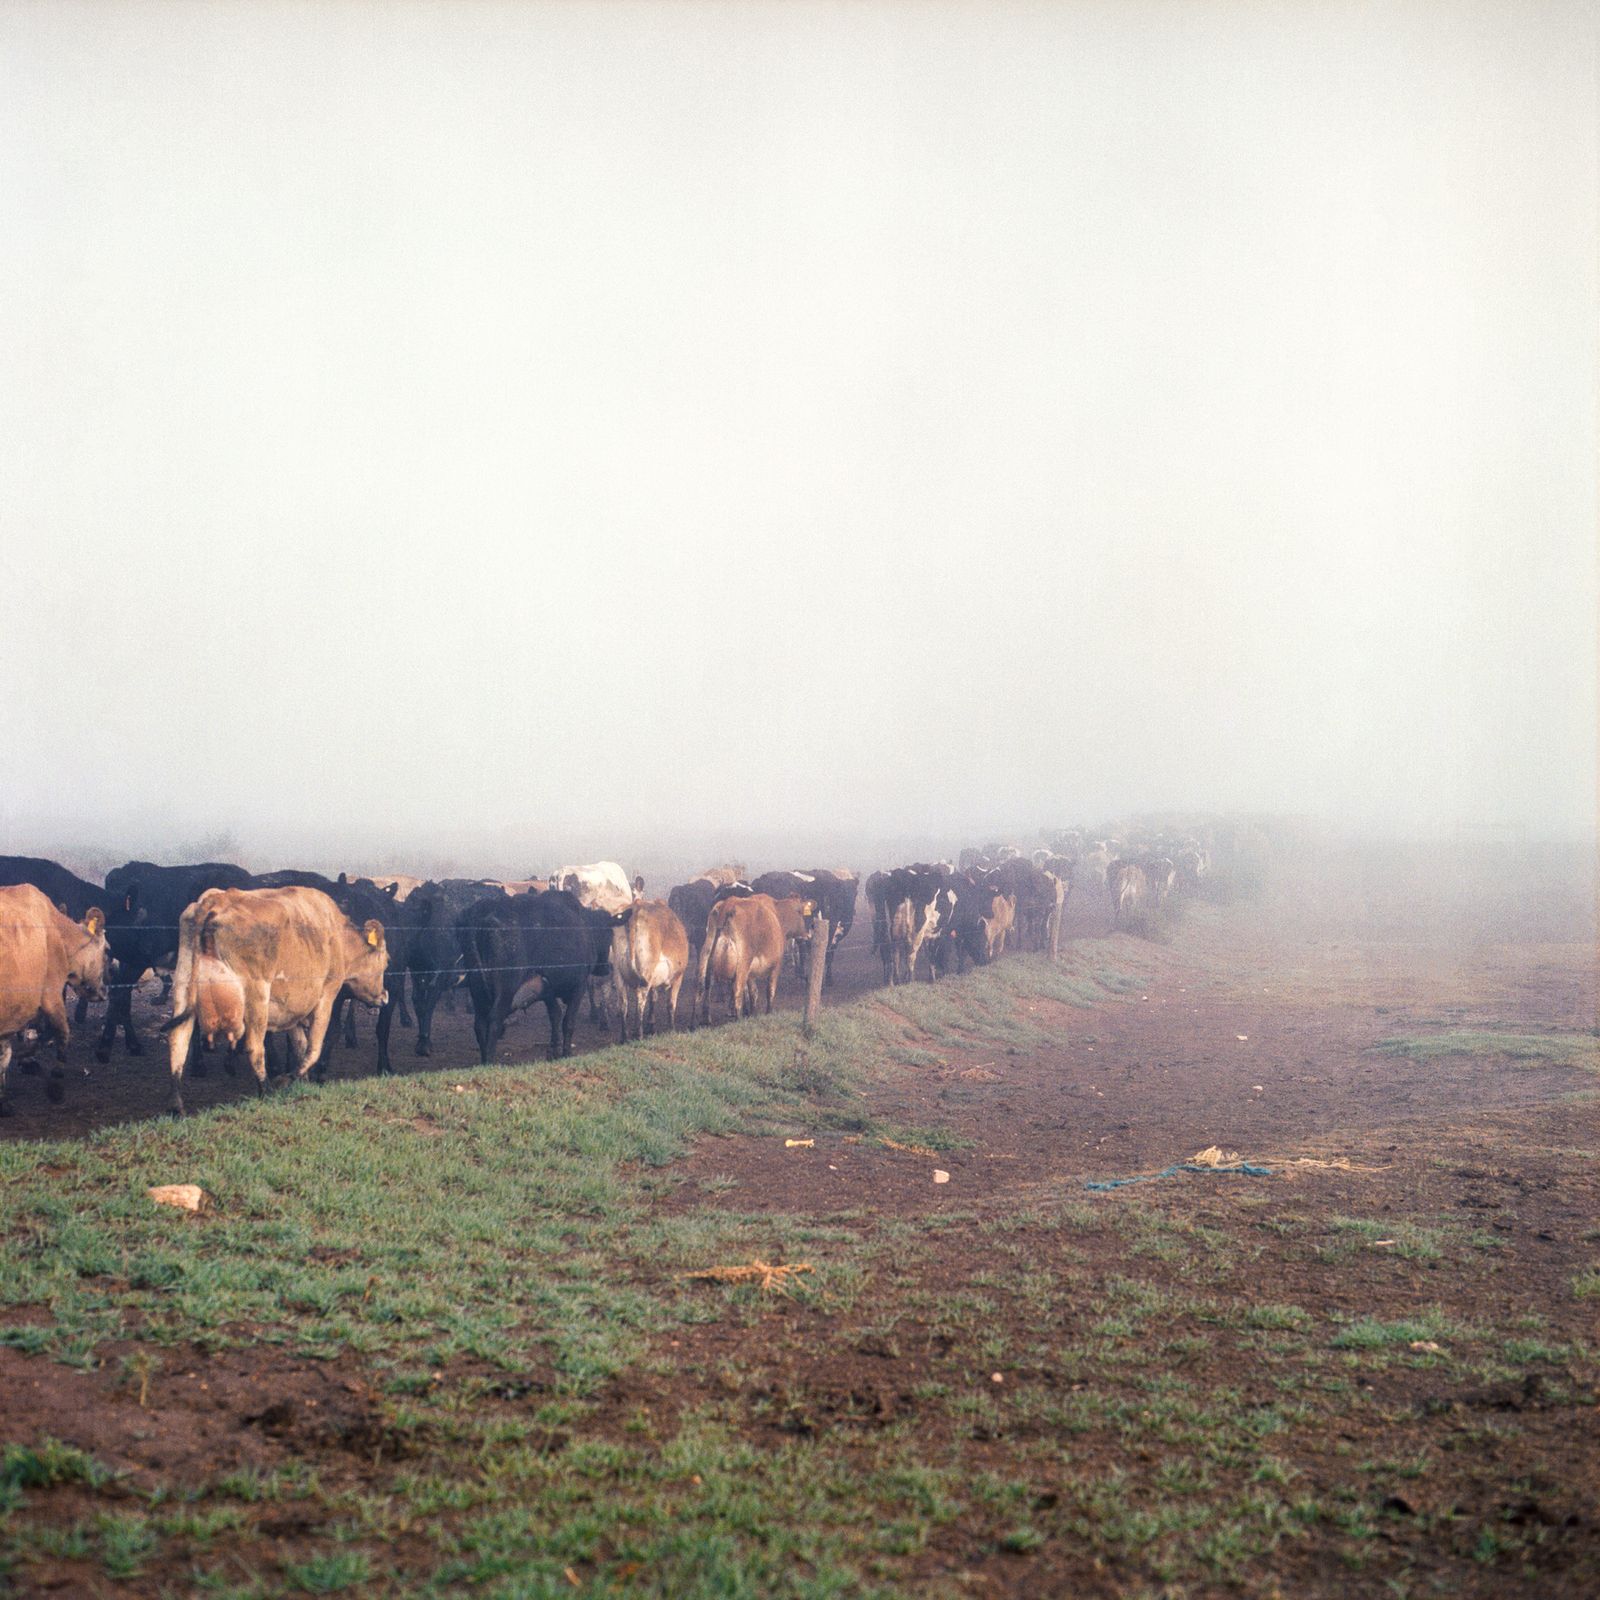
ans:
(429, 420)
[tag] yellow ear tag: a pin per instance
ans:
(372, 937)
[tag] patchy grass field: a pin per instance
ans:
(435, 1335)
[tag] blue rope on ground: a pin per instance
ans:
(1244, 1168)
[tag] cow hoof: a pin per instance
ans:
(200, 1068)
(424, 1048)
(29, 1068)
(135, 1048)
(5, 1108)
(55, 1091)
(102, 1053)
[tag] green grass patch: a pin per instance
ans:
(1369, 1333)
(1553, 1049)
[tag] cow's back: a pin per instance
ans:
(286, 939)
(63, 888)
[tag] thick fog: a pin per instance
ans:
(430, 430)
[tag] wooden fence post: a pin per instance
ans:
(814, 972)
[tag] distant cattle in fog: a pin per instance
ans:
(1128, 885)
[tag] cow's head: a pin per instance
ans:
(365, 976)
(86, 965)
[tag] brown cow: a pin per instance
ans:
(728, 872)
(649, 957)
(744, 944)
(41, 951)
(254, 960)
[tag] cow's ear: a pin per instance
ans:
(638, 884)
(392, 890)
(373, 932)
(130, 899)
(95, 921)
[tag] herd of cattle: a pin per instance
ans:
(256, 956)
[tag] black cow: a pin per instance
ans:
(524, 949)
(75, 896)
(962, 937)
(691, 903)
(144, 902)
(836, 893)
(436, 948)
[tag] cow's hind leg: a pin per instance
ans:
(255, 1052)
(5, 1065)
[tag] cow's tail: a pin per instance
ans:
(707, 956)
(190, 936)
